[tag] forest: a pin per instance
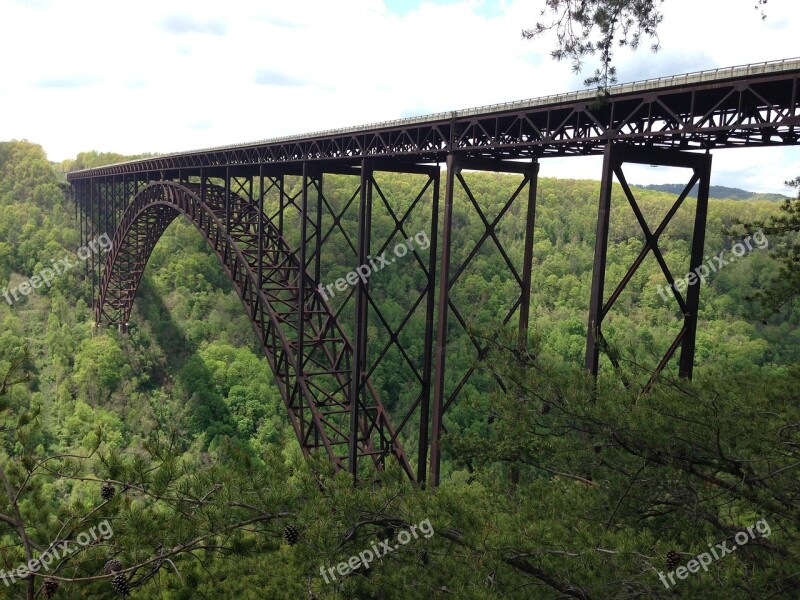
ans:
(161, 464)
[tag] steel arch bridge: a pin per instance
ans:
(267, 214)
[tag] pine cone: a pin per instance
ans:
(120, 584)
(291, 534)
(107, 492)
(673, 560)
(112, 566)
(49, 588)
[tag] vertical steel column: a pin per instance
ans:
(361, 306)
(301, 294)
(527, 260)
(106, 214)
(260, 226)
(281, 205)
(599, 268)
(427, 359)
(99, 224)
(120, 207)
(318, 236)
(115, 195)
(227, 210)
(693, 294)
(93, 198)
(203, 196)
(87, 215)
(78, 189)
(105, 198)
(123, 202)
(441, 331)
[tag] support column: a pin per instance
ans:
(108, 210)
(361, 312)
(79, 190)
(318, 234)
(441, 331)
(92, 229)
(227, 211)
(301, 292)
(599, 267)
(118, 201)
(527, 261)
(281, 203)
(261, 193)
(698, 247)
(86, 215)
(427, 358)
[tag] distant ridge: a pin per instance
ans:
(715, 191)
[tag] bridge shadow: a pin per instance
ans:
(207, 413)
(172, 341)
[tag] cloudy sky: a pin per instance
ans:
(167, 75)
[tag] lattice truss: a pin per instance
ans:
(330, 223)
(308, 351)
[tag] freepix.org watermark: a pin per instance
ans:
(47, 275)
(378, 550)
(718, 551)
(101, 531)
(712, 265)
(363, 272)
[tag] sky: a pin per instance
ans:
(171, 75)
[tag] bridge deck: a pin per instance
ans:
(747, 105)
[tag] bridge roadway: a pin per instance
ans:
(238, 198)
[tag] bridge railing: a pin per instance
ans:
(788, 64)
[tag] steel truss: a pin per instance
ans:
(752, 110)
(616, 155)
(274, 236)
(320, 220)
(307, 349)
(324, 378)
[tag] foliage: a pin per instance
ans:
(183, 419)
(588, 27)
(783, 289)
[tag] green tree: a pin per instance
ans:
(586, 28)
(783, 288)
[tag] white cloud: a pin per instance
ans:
(165, 76)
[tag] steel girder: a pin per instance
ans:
(309, 353)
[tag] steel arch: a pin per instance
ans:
(307, 350)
